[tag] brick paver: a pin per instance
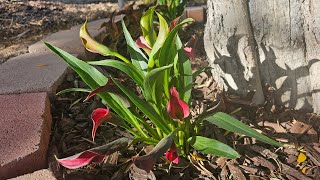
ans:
(197, 13)
(43, 174)
(25, 122)
(32, 72)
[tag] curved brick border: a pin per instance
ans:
(27, 82)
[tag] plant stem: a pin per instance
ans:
(187, 132)
(147, 126)
(121, 57)
(181, 140)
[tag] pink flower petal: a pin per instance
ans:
(174, 22)
(98, 116)
(190, 52)
(177, 108)
(81, 159)
(172, 154)
(96, 154)
(142, 43)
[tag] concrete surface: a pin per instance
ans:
(37, 72)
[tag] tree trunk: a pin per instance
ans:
(251, 44)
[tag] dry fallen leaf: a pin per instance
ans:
(42, 65)
(301, 158)
(196, 157)
(237, 173)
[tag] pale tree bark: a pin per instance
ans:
(277, 42)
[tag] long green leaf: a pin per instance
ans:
(185, 73)
(169, 43)
(153, 84)
(229, 123)
(113, 101)
(138, 59)
(147, 27)
(90, 75)
(94, 79)
(73, 90)
(145, 108)
(128, 69)
(212, 146)
(162, 35)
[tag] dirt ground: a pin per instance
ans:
(23, 23)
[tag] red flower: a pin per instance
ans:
(177, 108)
(98, 116)
(172, 154)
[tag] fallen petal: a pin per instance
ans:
(81, 159)
(95, 155)
(98, 116)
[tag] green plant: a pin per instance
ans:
(113, 36)
(172, 9)
(169, 9)
(163, 74)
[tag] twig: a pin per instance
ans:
(21, 34)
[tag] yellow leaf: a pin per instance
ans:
(197, 158)
(304, 170)
(301, 158)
